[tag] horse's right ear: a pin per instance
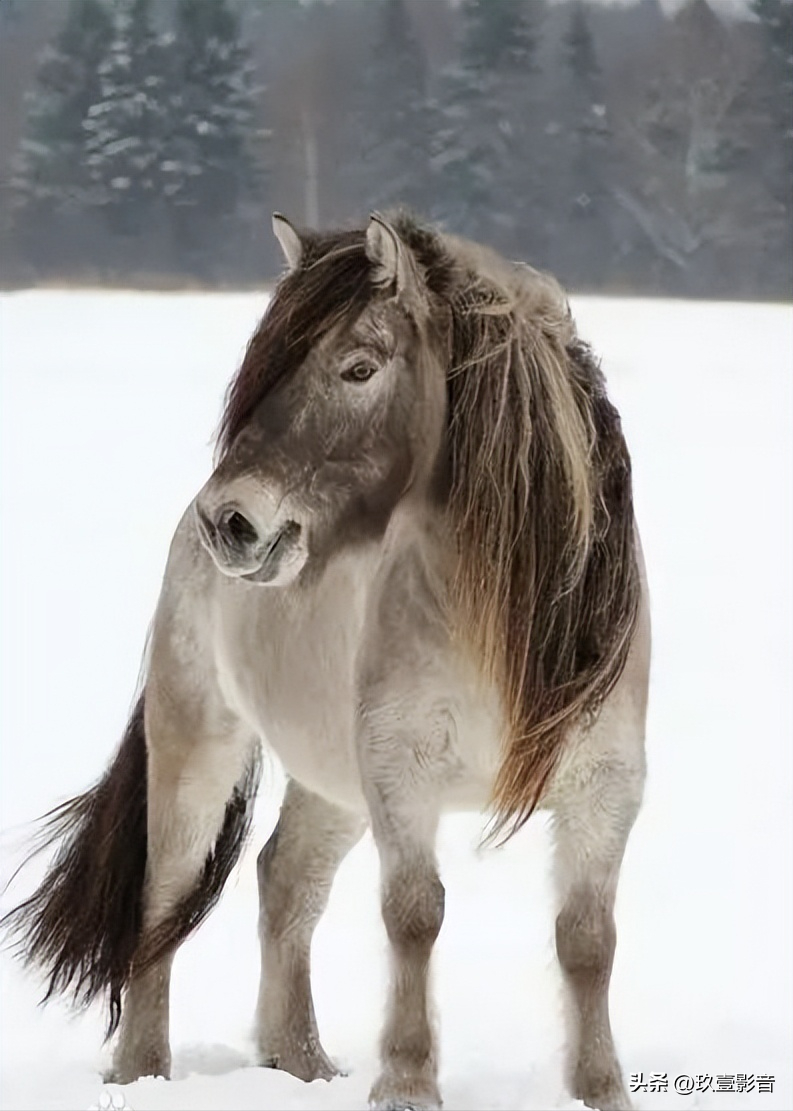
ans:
(289, 239)
(393, 265)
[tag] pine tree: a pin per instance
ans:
(500, 35)
(52, 176)
(127, 127)
(580, 49)
(210, 165)
(773, 93)
(484, 123)
(694, 192)
(392, 140)
(583, 159)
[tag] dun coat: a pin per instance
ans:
(414, 573)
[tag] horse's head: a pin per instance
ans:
(337, 411)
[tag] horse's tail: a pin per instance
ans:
(82, 925)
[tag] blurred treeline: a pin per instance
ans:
(624, 147)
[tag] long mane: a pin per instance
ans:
(547, 586)
(541, 502)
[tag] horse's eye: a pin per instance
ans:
(360, 372)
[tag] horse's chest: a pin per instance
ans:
(290, 673)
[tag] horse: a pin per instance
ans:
(414, 574)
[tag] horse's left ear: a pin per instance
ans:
(392, 260)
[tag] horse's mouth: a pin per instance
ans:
(282, 552)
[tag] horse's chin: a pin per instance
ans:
(284, 575)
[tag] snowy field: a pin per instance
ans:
(107, 408)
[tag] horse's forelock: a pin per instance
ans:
(332, 284)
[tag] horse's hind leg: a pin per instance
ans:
(192, 772)
(296, 869)
(592, 821)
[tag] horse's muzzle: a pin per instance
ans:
(239, 550)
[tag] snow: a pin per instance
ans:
(107, 408)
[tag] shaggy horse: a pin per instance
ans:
(415, 575)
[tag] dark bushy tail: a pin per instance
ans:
(82, 926)
(191, 911)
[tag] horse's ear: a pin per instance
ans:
(289, 239)
(392, 261)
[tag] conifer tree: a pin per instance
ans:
(393, 140)
(583, 159)
(127, 128)
(484, 123)
(773, 94)
(52, 175)
(580, 49)
(211, 162)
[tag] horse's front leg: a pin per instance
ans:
(296, 869)
(402, 788)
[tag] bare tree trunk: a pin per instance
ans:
(310, 153)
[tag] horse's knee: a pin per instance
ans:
(585, 938)
(413, 908)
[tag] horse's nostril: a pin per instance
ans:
(238, 530)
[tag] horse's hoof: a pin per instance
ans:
(605, 1095)
(120, 1076)
(401, 1105)
(403, 1094)
(127, 1072)
(608, 1101)
(307, 1067)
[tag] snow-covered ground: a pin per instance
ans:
(107, 407)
